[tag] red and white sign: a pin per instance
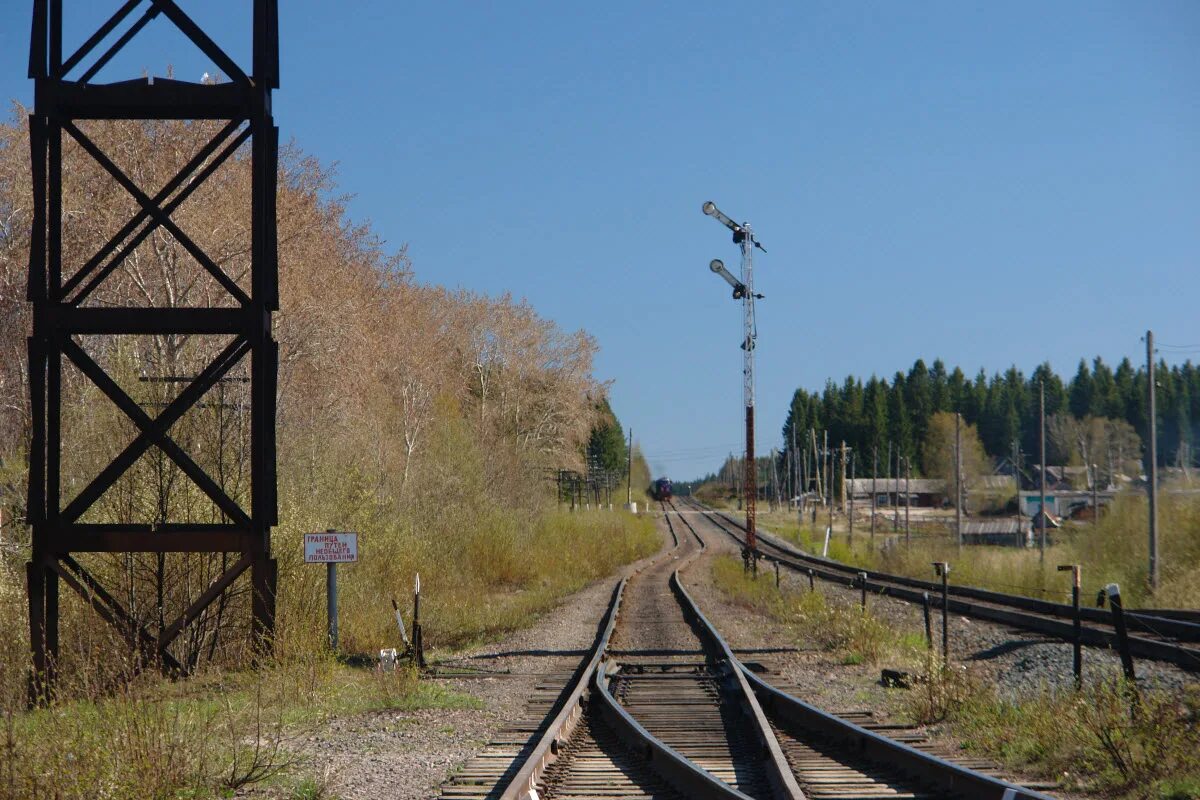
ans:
(330, 548)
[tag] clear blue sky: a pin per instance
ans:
(931, 179)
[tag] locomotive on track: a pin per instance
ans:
(661, 489)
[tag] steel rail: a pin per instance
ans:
(779, 773)
(933, 772)
(684, 775)
(591, 688)
(523, 785)
(1012, 611)
(937, 773)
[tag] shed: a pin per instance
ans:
(921, 492)
(1002, 532)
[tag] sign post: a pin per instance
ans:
(331, 548)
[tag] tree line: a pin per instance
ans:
(402, 407)
(1096, 412)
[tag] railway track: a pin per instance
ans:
(662, 708)
(1171, 639)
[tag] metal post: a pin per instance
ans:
(776, 574)
(928, 621)
(418, 634)
(943, 570)
(907, 501)
(331, 603)
(1118, 612)
(862, 580)
(1152, 459)
(811, 583)
(1095, 495)
(1078, 633)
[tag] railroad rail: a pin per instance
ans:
(661, 707)
(836, 757)
(1159, 638)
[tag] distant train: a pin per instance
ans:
(661, 489)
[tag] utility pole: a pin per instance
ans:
(907, 500)
(843, 476)
(850, 519)
(828, 462)
(774, 479)
(896, 509)
(1152, 458)
(1016, 455)
(629, 472)
(887, 478)
(796, 491)
(958, 476)
(874, 489)
(1042, 447)
(817, 465)
(1095, 496)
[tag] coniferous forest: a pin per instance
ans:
(1005, 409)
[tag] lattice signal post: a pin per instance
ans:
(64, 94)
(743, 290)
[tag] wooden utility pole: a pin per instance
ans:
(843, 477)
(1152, 461)
(1042, 447)
(1095, 496)
(958, 476)
(907, 500)
(887, 478)
(629, 472)
(896, 509)
(818, 465)
(850, 519)
(828, 471)
(874, 489)
(1016, 455)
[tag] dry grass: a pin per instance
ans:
(846, 631)
(114, 734)
(1115, 551)
(1104, 740)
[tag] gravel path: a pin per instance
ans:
(408, 755)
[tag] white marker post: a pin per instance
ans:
(331, 548)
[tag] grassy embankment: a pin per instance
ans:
(116, 735)
(1114, 551)
(1096, 740)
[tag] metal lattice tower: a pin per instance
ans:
(743, 290)
(62, 321)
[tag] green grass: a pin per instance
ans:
(1100, 740)
(1097, 741)
(808, 618)
(1115, 551)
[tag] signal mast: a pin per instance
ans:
(743, 290)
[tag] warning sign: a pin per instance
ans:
(330, 547)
